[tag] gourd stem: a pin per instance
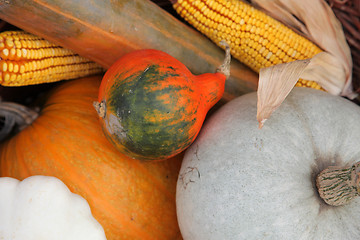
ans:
(338, 186)
(224, 68)
(15, 115)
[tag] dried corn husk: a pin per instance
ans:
(272, 92)
(332, 69)
(289, 73)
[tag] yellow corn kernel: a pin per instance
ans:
(255, 39)
(26, 59)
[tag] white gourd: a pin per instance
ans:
(42, 207)
(241, 182)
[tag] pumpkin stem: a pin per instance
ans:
(100, 108)
(15, 115)
(224, 68)
(338, 186)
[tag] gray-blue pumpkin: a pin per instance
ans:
(241, 182)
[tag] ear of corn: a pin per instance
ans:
(26, 59)
(255, 38)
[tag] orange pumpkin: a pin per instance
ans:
(131, 199)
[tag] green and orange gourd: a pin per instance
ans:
(152, 107)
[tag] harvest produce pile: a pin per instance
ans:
(192, 119)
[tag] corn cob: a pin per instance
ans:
(256, 39)
(26, 59)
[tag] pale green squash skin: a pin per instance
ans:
(241, 182)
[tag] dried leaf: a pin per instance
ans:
(272, 92)
(318, 71)
(276, 82)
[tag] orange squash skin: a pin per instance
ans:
(154, 106)
(130, 198)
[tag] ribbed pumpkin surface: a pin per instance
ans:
(131, 199)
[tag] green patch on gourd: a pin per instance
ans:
(154, 125)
